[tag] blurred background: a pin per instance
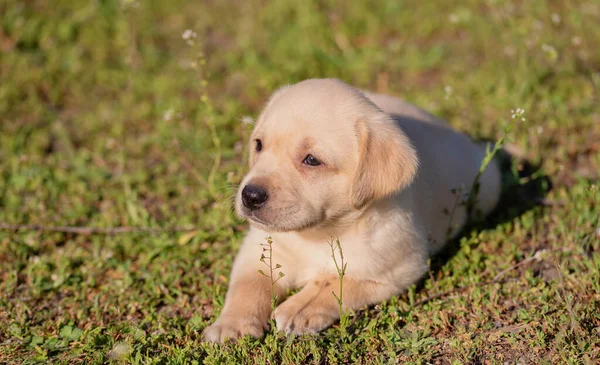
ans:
(136, 114)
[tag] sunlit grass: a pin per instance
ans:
(113, 114)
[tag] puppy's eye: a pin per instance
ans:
(258, 145)
(311, 161)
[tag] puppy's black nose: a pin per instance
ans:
(253, 196)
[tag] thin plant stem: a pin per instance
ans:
(341, 271)
(470, 200)
(266, 258)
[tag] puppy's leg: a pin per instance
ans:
(246, 311)
(315, 307)
(248, 302)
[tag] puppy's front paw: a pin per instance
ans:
(303, 318)
(233, 329)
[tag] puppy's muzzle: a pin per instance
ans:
(254, 196)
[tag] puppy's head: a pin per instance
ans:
(320, 151)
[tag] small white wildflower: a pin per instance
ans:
(550, 51)
(453, 18)
(121, 351)
(448, 90)
(540, 129)
(188, 35)
(539, 255)
(576, 41)
(247, 120)
(168, 115)
(518, 114)
(555, 18)
(598, 233)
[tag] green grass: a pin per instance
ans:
(109, 118)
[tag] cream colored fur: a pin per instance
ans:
(384, 188)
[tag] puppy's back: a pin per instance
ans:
(449, 162)
(399, 107)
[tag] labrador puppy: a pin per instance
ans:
(381, 175)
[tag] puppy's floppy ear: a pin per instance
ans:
(387, 160)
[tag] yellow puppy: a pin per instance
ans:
(376, 172)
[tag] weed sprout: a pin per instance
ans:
(266, 258)
(341, 271)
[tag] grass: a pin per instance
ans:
(109, 118)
